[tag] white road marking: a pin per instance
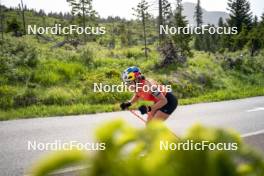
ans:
(66, 170)
(253, 133)
(256, 109)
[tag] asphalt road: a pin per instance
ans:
(245, 116)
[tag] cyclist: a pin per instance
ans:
(145, 89)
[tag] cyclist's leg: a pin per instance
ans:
(159, 115)
(150, 116)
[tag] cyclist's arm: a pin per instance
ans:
(162, 99)
(134, 99)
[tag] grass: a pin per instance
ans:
(77, 109)
(55, 110)
(228, 94)
(61, 81)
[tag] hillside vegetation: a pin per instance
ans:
(50, 75)
(39, 81)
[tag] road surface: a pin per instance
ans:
(245, 116)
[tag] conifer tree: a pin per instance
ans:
(198, 14)
(239, 14)
(141, 12)
(84, 10)
(1, 21)
(181, 40)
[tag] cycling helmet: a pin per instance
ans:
(131, 74)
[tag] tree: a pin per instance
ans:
(125, 33)
(41, 13)
(239, 14)
(176, 48)
(166, 12)
(142, 13)
(240, 40)
(83, 9)
(181, 40)
(220, 22)
(262, 18)
(165, 16)
(160, 22)
(255, 40)
(221, 38)
(198, 14)
(1, 21)
(256, 37)
(255, 21)
(14, 26)
(21, 6)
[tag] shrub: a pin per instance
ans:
(29, 97)
(87, 56)
(16, 59)
(19, 53)
(6, 96)
(124, 150)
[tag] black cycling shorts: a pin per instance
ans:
(171, 105)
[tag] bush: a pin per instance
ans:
(29, 97)
(6, 96)
(87, 56)
(18, 53)
(16, 59)
(124, 150)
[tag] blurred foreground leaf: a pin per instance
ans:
(151, 151)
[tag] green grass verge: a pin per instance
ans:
(77, 109)
(226, 94)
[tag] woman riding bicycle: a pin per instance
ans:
(145, 89)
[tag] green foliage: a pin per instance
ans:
(142, 13)
(39, 80)
(181, 40)
(240, 14)
(53, 72)
(58, 96)
(27, 98)
(6, 94)
(14, 26)
(198, 14)
(17, 58)
(48, 82)
(130, 151)
(55, 110)
(255, 39)
(18, 53)
(60, 160)
(87, 56)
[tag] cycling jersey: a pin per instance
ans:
(152, 94)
